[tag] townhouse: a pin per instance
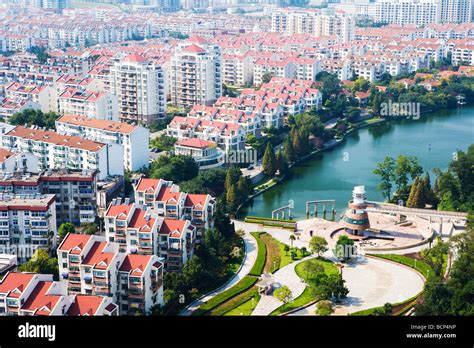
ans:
(11, 162)
(38, 295)
(133, 138)
(56, 151)
(42, 95)
(27, 222)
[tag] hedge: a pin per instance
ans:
(257, 268)
(421, 266)
(288, 225)
(234, 302)
(251, 217)
(244, 284)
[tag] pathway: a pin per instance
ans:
(371, 282)
(284, 276)
(251, 249)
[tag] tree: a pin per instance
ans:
(34, 117)
(318, 245)
(288, 151)
(65, 228)
(413, 198)
(281, 164)
(283, 294)
(292, 238)
(286, 248)
(269, 164)
(435, 256)
(344, 248)
(324, 308)
(337, 287)
(232, 176)
(89, 228)
(303, 251)
(175, 168)
(244, 188)
(232, 201)
(312, 268)
(266, 77)
(405, 165)
(40, 262)
(385, 170)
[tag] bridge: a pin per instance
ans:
(378, 207)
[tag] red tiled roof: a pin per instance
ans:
(55, 138)
(96, 257)
(5, 154)
(39, 301)
(111, 126)
(169, 226)
(133, 262)
(14, 280)
(145, 184)
(119, 209)
(85, 305)
(73, 240)
(196, 143)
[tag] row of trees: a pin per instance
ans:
(33, 117)
(237, 187)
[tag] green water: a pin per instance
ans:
(332, 174)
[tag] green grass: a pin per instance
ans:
(286, 256)
(245, 308)
(257, 268)
(308, 294)
(238, 288)
(421, 266)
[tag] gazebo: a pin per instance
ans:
(265, 284)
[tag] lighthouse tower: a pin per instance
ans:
(356, 220)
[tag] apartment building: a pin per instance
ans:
(92, 265)
(165, 200)
(139, 85)
(237, 70)
(75, 191)
(133, 138)
(56, 151)
(45, 96)
(9, 107)
(402, 12)
(140, 284)
(91, 104)
(38, 295)
(195, 73)
(456, 11)
(27, 222)
(227, 135)
(11, 162)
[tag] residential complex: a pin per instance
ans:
(133, 139)
(195, 73)
(27, 222)
(140, 89)
(37, 294)
(90, 265)
(56, 151)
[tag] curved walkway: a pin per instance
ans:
(284, 276)
(251, 250)
(372, 283)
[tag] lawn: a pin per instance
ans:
(259, 264)
(286, 256)
(308, 295)
(245, 308)
(217, 300)
(421, 266)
